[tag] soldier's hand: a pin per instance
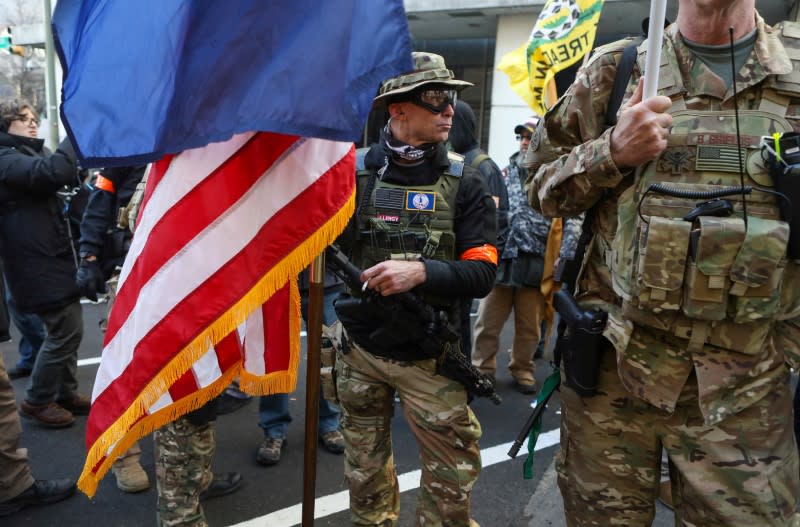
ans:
(90, 279)
(640, 134)
(394, 276)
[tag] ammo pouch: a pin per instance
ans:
(580, 343)
(783, 165)
(383, 329)
(328, 366)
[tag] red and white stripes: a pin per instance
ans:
(223, 228)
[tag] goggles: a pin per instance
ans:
(435, 100)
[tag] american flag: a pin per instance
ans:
(230, 216)
(223, 228)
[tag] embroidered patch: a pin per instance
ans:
(389, 198)
(388, 217)
(416, 200)
(675, 161)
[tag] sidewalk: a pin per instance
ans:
(545, 509)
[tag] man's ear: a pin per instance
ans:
(396, 109)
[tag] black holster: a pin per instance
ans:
(580, 343)
(784, 170)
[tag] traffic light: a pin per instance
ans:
(6, 44)
(5, 41)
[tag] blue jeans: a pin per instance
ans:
(32, 330)
(273, 410)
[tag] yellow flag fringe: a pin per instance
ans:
(130, 426)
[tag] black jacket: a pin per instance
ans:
(34, 239)
(474, 224)
(463, 141)
(99, 233)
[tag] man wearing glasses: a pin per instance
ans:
(38, 260)
(424, 222)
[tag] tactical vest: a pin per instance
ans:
(398, 222)
(127, 215)
(714, 280)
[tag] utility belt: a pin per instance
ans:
(383, 334)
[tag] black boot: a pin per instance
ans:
(42, 492)
(221, 485)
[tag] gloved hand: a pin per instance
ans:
(90, 279)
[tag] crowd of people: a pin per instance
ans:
(701, 319)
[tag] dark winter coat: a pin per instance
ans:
(34, 238)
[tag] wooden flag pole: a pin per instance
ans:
(655, 36)
(314, 331)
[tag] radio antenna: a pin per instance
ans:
(738, 135)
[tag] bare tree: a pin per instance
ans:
(23, 75)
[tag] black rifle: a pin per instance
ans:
(441, 338)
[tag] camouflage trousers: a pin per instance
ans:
(742, 471)
(446, 430)
(183, 455)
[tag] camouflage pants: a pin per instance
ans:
(742, 471)
(446, 430)
(183, 470)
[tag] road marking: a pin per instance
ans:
(89, 362)
(340, 501)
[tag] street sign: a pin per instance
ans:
(28, 35)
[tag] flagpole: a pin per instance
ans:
(314, 331)
(655, 35)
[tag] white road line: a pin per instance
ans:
(340, 501)
(89, 362)
(96, 360)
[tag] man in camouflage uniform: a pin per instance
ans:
(695, 364)
(426, 223)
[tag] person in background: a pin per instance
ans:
(519, 275)
(463, 140)
(39, 260)
(18, 488)
(273, 410)
(103, 244)
(32, 335)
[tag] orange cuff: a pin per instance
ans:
(486, 252)
(104, 184)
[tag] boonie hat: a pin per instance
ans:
(429, 68)
(529, 125)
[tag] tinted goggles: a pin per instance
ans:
(435, 100)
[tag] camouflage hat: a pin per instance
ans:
(429, 68)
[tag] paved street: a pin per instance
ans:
(272, 496)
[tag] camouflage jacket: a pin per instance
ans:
(570, 155)
(529, 229)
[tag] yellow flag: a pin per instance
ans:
(562, 35)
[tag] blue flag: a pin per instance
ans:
(152, 77)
